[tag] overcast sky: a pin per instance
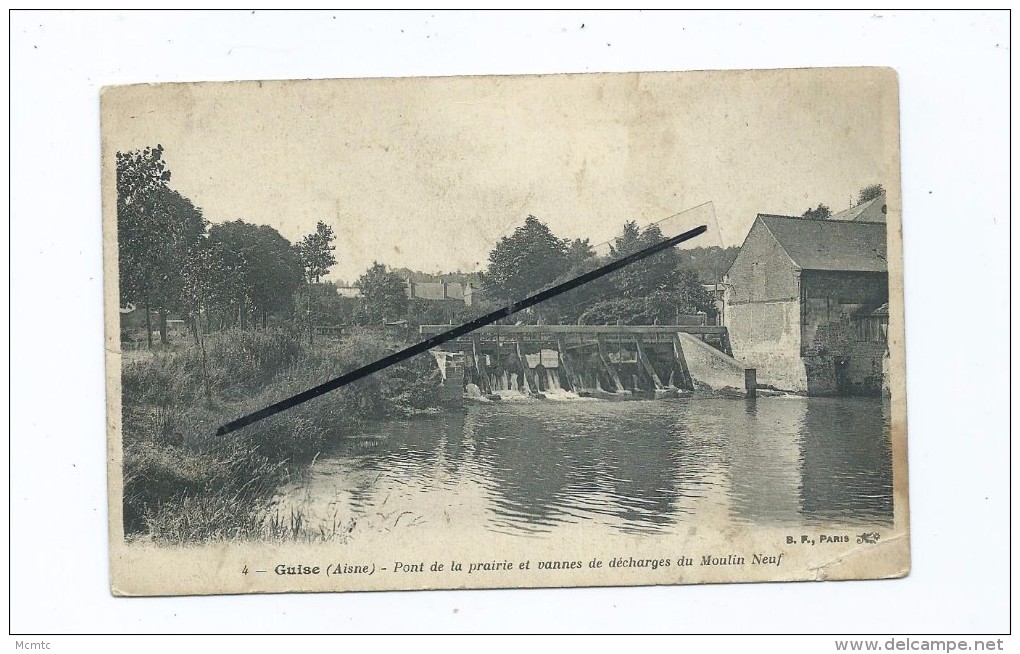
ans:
(428, 173)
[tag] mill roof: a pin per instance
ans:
(831, 245)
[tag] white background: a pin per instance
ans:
(954, 94)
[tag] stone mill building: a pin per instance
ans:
(806, 302)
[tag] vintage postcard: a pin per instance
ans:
(729, 408)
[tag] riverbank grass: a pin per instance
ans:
(183, 484)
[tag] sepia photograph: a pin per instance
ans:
(726, 409)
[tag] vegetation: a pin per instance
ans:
(253, 273)
(158, 228)
(419, 276)
(531, 258)
(184, 484)
(655, 289)
(870, 192)
(708, 263)
(243, 290)
(866, 194)
(651, 291)
(316, 252)
(233, 274)
(240, 276)
(384, 297)
(820, 212)
(321, 304)
(252, 301)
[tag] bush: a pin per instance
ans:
(243, 361)
(164, 379)
(154, 474)
(411, 386)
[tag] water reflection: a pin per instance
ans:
(763, 460)
(846, 465)
(574, 461)
(534, 468)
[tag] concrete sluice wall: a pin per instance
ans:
(711, 369)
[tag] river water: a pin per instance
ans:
(534, 467)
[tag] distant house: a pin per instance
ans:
(349, 292)
(806, 303)
(441, 290)
(437, 291)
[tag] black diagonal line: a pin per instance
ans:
(456, 332)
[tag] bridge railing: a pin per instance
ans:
(580, 330)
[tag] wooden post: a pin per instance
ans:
(647, 365)
(205, 367)
(751, 382)
(483, 378)
(567, 373)
(524, 366)
(609, 367)
(148, 325)
(308, 314)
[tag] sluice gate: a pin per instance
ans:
(638, 360)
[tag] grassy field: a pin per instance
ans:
(183, 484)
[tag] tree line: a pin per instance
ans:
(172, 261)
(652, 290)
(532, 258)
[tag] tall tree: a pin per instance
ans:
(258, 271)
(819, 213)
(579, 251)
(138, 173)
(565, 308)
(158, 228)
(228, 269)
(870, 192)
(384, 295)
(628, 242)
(316, 252)
(179, 227)
(321, 305)
(654, 289)
(709, 263)
(646, 275)
(520, 264)
(196, 294)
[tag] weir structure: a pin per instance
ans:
(609, 361)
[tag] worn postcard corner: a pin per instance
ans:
(485, 332)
